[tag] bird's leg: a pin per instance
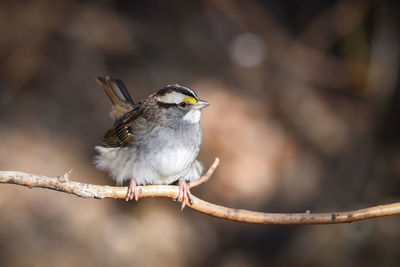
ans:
(184, 193)
(132, 191)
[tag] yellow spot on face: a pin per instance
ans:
(189, 99)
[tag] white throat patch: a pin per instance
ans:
(193, 116)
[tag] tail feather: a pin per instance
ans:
(110, 93)
(119, 96)
(120, 89)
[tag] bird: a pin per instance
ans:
(154, 141)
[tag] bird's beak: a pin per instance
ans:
(201, 104)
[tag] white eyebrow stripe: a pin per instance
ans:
(183, 87)
(171, 98)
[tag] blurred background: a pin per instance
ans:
(304, 115)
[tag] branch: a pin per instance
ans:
(63, 184)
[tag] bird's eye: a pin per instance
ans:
(183, 104)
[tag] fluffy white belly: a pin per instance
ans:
(164, 166)
(172, 162)
(156, 159)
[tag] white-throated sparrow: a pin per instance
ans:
(155, 141)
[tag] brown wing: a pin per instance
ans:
(121, 135)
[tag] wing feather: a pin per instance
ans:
(121, 134)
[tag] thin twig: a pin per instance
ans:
(205, 176)
(63, 184)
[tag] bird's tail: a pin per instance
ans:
(119, 96)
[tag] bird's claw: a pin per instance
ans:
(132, 191)
(184, 193)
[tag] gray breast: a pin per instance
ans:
(169, 151)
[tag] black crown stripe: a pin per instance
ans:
(177, 88)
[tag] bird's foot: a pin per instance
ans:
(184, 193)
(132, 191)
